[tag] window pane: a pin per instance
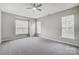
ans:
(21, 27)
(68, 26)
(38, 27)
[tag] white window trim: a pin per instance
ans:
(66, 35)
(17, 33)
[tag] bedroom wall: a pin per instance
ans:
(51, 26)
(8, 26)
(0, 27)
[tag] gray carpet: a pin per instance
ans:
(36, 46)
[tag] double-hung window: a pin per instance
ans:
(21, 27)
(68, 26)
(38, 27)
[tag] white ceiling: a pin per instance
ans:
(47, 8)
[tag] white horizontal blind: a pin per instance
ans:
(21, 27)
(38, 27)
(68, 26)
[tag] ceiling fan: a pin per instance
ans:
(35, 6)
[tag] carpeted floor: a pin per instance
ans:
(36, 46)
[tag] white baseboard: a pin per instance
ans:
(54, 39)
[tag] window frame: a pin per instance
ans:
(67, 26)
(22, 27)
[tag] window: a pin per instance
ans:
(21, 27)
(68, 26)
(38, 27)
(32, 28)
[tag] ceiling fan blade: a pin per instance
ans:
(39, 5)
(34, 4)
(28, 8)
(39, 9)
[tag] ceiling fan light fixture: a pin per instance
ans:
(34, 8)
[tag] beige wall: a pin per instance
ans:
(51, 26)
(0, 27)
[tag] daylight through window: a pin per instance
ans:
(68, 26)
